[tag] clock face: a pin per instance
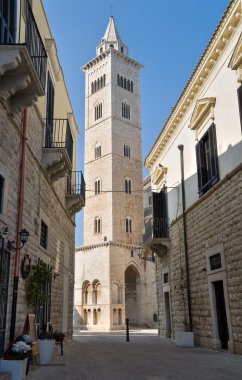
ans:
(25, 267)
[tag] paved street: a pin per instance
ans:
(93, 356)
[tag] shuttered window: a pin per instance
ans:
(207, 161)
(240, 104)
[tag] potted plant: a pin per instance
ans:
(36, 295)
(46, 347)
(185, 337)
(15, 360)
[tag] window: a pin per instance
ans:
(43, 235)
(207, 161)
(98, 111)
(127, 151)
(1, 193)
(97, 187)
(49, 113)
(118, 80)
(165, 278)
(127, 186)
(98, 151)
(150, 200)
(132, 86)
(7, 21)
(128, 225)
(126, 111)
(101, 50)
(122, 49)
(215, 261)
(97, 225)
(240, 103)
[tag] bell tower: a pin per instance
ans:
(113, 215)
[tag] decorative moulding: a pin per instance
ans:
(235, 62)
(52, 53)
(159, 175)
(204, 109)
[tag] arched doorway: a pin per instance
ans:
(132, 281)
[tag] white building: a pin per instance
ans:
(110, 277)
(203, 293)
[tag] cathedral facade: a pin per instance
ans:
(111, 278)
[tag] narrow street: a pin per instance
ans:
(100, 356)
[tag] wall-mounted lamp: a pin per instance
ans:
(24, 236)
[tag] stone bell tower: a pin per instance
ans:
(110, 277)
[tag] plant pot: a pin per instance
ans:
(16, 367)
(184, 339)
(46, 348)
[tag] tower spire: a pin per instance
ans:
(112, 39)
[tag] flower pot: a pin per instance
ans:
(184, 339)
(16, 367)
(46, 348)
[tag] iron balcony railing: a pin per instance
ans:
(156, 228)
(76, 184)
(33, 41)
(58, 135)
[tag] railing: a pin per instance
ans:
(58, 135)
(156, 228)
(35, 45)
(33, 41)
(76, 184)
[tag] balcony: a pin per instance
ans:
(57, 149)
(156, 235)
(75, 194)
(22, 64)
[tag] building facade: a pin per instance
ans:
(40, 189)
(200, 257)
(110, 277)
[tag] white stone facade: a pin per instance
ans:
(206, 121)
(109, 255)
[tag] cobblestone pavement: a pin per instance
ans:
(100, 356)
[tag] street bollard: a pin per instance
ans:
(127, 330)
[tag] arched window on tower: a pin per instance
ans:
(118, 80)
(125, 83)
(98, 151)
(101, 82)
(98, 186)
(95, 86)
(128, 85)
(132, 86)
(128, 225)
(104, 80)
(98, 84)
(121, 82)
(127, 186)
(97, 225)
(98, 111)
(92, 88)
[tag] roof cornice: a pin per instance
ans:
(208, 60)
(107, 244)
(104, 55)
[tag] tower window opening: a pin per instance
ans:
(127, 151)
(126, 111)
(122, 49)
(97, 225)
(127, 186)
(97, 187)
(128, 225)
(98, 111)
(98, 151)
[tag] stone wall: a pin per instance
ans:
(41, 199)
(214, 225)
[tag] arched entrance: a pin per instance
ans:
(132, 294)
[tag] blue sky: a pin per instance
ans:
(167, 37)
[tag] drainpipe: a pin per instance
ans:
(181, 148)
(19, 227)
